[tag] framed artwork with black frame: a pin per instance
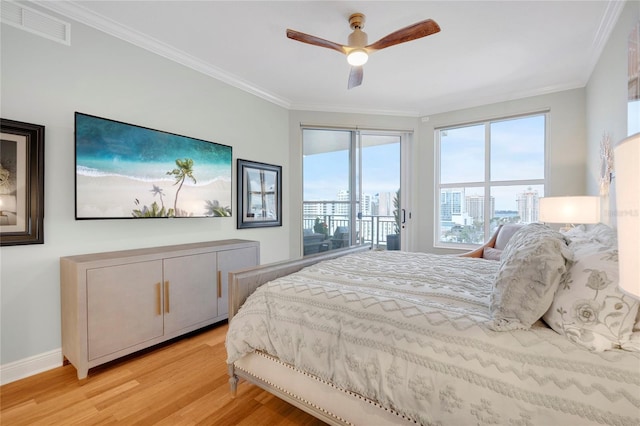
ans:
(21, 183)
(259, 194)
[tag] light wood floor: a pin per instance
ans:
(181, 383)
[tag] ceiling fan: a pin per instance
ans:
(358, 50)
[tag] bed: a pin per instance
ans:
(366, 337)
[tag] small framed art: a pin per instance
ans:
(21, 183)
(259, 194)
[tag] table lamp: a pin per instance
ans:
(627, 185)
(569, 210)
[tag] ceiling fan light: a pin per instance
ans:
(357, 57)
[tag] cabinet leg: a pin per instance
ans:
(82, 373)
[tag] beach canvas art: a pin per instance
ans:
(127, 171)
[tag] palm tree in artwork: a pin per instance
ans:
(182, 172)
(158, 191)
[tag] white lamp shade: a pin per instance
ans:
(582, 209)
(8, 203)
(627, 184)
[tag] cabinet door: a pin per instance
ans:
(123, 306)
(228, 261)
(190, 290)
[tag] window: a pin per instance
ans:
(488, 174)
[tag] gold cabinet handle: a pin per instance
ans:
(166, 297)
(158, 298)
(219, 284)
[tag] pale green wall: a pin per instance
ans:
(606, 95)
(44, 82)
(566, 151)
(566, 147)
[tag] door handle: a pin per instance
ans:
(404, 216)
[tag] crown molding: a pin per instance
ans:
(77, 12)
(608, 22)
(350, 110)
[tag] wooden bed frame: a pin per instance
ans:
(317, 397)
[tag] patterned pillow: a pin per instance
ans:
(634, 341)
(531, 267)
(588, 307)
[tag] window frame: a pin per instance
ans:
(487, 183)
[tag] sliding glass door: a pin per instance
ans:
(351, 184)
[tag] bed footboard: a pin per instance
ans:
(321, 399)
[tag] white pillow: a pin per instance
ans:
(531, 268)
(598, 233)
(604, 234)
(588, 308)
(490, 253)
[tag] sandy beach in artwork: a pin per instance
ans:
(115, 196)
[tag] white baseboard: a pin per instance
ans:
(29, 366)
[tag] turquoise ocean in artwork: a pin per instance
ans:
(110, 148)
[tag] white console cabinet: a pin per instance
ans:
(116, 303)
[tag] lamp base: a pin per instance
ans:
(566, 228)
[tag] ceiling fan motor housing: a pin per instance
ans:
(358, 38)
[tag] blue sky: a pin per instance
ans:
(325, 174)
(517, 152)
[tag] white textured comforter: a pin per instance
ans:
(409, 330)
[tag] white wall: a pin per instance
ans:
(44, 82)
(606, 92)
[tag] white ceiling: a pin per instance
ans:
(487, 51)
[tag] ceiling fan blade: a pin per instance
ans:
(412, 32)
(355, 77)
(316, 41)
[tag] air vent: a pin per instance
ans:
(35, 22)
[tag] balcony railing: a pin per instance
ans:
(371, 229)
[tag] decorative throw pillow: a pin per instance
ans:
(634, 341)
(577, 234)
(491, 253)
(604, 234)
(588, 307)
(531, 268)
(506, 232)
(580, 237)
